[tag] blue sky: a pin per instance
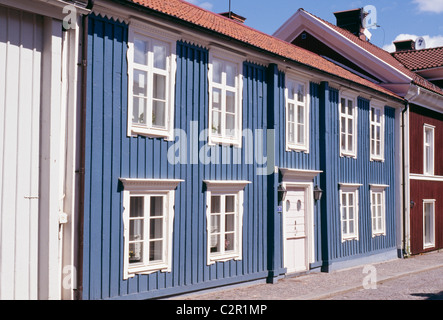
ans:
(402, 19)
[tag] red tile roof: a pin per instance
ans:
(385, 56)
(211, 21)
(420, 59)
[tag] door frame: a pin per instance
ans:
(302, 179)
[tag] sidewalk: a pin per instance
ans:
(318, 285)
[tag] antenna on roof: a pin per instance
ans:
(420, 43)
(229, 9)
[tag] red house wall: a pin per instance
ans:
(425, 189)
(418, 116)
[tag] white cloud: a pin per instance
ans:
(205, 5)
(431, 42)
(435, 6)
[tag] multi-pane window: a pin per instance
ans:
(297, 116)
(224, 216)
(223, 225)
(150, 86)
(378, 210)
(348, 127)
(428, 223)
(376, 133)
(428, 152)
(147, 230)
(147, 218)
(225, 109)
(349, 213)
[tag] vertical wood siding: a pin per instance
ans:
(419, 116)
(20, 71)
(362, 171)
(425, 190)
(300, 159)
(421, 189)
(110, 154)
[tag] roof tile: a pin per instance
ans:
(238, 31)
(420, 59)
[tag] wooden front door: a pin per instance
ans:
(295, 230)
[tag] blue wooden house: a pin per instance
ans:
(206, 145)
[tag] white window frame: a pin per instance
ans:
(375, 124)
(347, 189)
(237, 60)
(431, 244)
(374, 191)
(138, 29)
(346, 152)
(225, 188)
(146, 188)
(295, 146)
(430, 171)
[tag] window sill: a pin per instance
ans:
(377, 234)
(224, 141)
(348, 155)
(377, 159)
(142, 269)
(296, 148)
(349, 238)
(223, 258)
(150, 133)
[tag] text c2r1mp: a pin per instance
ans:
(226, 309)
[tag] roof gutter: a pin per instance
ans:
(425, 98)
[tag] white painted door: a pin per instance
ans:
(295, 230)
(21, 45)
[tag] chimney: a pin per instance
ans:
(404, 45)
(233, 16)
(351, 20)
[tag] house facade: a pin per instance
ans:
(178, 150)
(418, 80)
(38, 64)
(425, 138)
(201, 156)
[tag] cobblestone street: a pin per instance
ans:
(415, 278)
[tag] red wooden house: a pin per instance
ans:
(425, 175)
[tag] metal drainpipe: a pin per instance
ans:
(81, 171)
(404, 176)
(404, 171)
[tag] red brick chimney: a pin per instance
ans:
(233, 16)
(351, 20)
(404, 45)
